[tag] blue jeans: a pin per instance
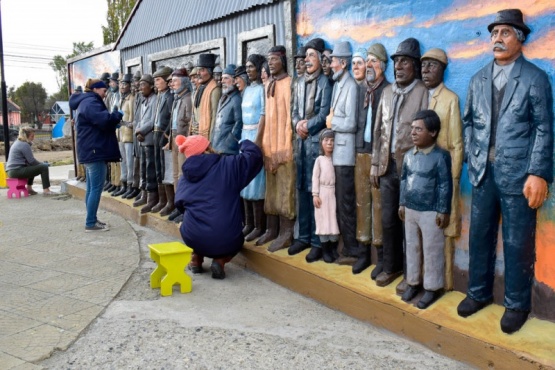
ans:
(96, 174)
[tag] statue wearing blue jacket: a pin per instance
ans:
(508, 139)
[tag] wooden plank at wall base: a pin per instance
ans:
(476, 340)
(438, 328)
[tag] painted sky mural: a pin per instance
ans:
(460, 28)
(93, 67)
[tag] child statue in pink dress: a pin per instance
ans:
(323, 196)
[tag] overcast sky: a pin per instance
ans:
(34, 31)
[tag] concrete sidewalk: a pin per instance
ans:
(84, 299)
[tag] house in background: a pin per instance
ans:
(59, 109)
(14, 114)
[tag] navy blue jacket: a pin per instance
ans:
(96, 129)
(208, 194)
(426, 183)
(524, 135)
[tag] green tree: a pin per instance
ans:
(118, 12)
(59, 65)
(30, 97)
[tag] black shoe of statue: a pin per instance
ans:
(314, 255)
(429, 297)
(362, 263)
(410, 293)
(178, 219)
(297, 247)
(513, 320)
(469, 306)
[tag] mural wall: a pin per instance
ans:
(93, 67)
(460, 28)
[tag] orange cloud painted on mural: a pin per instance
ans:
(542, 48)
(545, 253)
(464, 10)
(337, 28)
(469, 50)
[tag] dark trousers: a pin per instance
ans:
(347, 209)
(136, 171)
(158, 156)
(29, 172)
(519, 240)
(305, 216)
(148, 170)
(392, 226)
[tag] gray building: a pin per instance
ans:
(173, 33)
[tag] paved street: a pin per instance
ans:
(76, 300)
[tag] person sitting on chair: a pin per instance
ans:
(23, 165)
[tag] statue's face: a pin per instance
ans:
(275, 65)
(124, 87)
(146, 88)
(240, 83)
(218, 78)
(373, 68)
(326, 63)
(264, 76)
(204, 75)
(312, 61)
(113, 84)
(404, 70)
(420, 135)
(432, 73)
(359, 68)
(506, 46)
(176, 83)
(300, 66)
(160, 83)
(227, 82)
(252, 73)
(336, 64)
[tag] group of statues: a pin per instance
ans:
(505, 135)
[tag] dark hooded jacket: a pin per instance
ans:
(208, 194)
(95, 128)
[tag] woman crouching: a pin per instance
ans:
(209, 195)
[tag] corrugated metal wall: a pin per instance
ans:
(171, 16)
(228, 27)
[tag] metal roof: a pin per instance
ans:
(152, 19)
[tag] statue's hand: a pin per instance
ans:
(442, 220)
(535, 191)
(302, 129)
(317, 201)
(401, 213)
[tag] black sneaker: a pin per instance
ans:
(97, 227)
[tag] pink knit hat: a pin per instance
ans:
(191, 145)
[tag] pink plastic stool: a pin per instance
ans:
(16, 187)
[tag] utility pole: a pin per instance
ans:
(4, 95)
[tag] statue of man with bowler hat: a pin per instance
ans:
(508, 144)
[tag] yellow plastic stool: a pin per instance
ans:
(172, 259)
(3, 176)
